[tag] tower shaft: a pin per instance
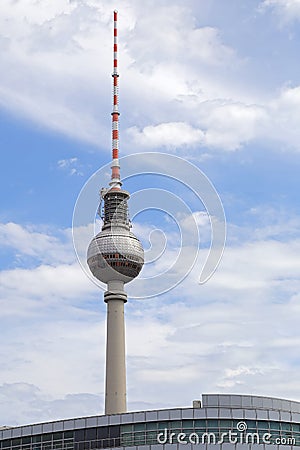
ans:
(115, 297)
(115, 384)
(115, 256)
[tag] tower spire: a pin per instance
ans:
(115, 167)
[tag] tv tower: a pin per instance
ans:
(115, 256)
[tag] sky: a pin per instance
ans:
(215, 83)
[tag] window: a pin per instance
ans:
(274, 426)
(225, 424)
(139, 438)
(47, 437)
(212, 423)
(57, 436)
(68, 434)
(90, 434)
(176, 424)
(126, 428)
(15, 443)
(114, 431)
(187, 424)
(201, 423)
(151, 426)
(139, 427)
(163, 425)
(79, 435)
(102, 432)
(286, 426)
(262, 425)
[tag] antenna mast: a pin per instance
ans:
(115, 167)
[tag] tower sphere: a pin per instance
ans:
(115, 254)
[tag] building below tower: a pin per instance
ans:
(220, 422)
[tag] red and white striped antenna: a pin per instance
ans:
(115, 167)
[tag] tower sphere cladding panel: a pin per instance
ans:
(115, 254)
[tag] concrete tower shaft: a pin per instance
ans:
(115, 382)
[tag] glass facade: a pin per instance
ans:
(147, 433)
(221, 422)
(45, 441)
(82, 439)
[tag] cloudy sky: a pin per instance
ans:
(214, 82)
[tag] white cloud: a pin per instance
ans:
(221, 336)
(273, 224)
(221, 125)
(20, 399)
(230, 125)
(71, 165)
(214, 345)
(49, 51)
(216, 337)
(55, 73)
(284, 113)
(28, 241)
(28, 12)
(59, 48)
(287, 10)
(51, 275)
(175, 28)
(170, 135)
(61, 281)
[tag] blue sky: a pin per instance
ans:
(216, 83)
